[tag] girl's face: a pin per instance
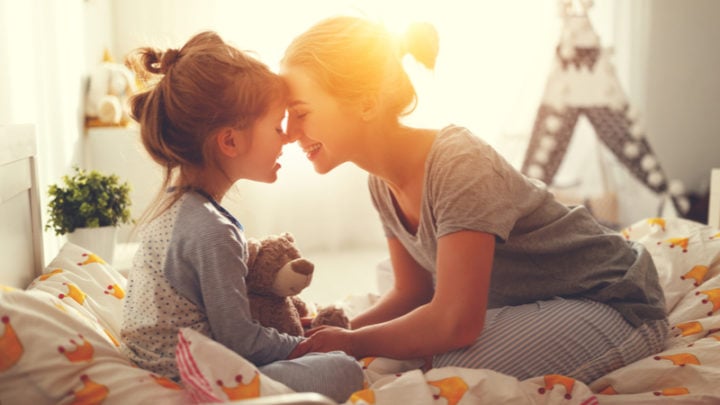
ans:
(264, 146)
(322, 125)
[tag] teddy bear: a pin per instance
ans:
(277, 272)
(110, 85)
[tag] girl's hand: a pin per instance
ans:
(324, 339)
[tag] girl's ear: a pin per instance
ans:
(230, 141)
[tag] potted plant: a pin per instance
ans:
(89, 206)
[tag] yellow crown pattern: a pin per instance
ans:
(91, 258)
(241, 390)
(74, 292)
(116, 291)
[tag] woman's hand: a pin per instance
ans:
(324, 339)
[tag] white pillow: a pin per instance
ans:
(57, 343)
(84, 281)
(211, 372)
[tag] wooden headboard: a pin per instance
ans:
(21, 237)
(714, 210)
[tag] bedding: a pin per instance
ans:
(59, 345)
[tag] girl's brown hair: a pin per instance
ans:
(352, 57)
(194, 91)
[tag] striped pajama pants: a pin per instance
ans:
(581, 339)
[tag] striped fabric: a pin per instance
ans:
(196, 385)
(581, 339)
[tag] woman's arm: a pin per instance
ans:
(413, 286)
(454, 317)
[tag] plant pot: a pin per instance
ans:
(100, 241)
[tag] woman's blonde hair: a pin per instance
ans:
(352, 57)
(204, 86)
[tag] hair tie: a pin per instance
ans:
(168, 60)
(421, 40)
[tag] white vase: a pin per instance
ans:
(100, 241)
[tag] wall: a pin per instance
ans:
(682, 88)
(493, 64)
(665, 50)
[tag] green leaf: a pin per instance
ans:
(87, 199)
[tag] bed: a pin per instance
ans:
(60, 322)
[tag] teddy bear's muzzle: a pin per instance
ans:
(293, 277)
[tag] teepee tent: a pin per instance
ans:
(583, 84)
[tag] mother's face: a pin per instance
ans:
(321, 124)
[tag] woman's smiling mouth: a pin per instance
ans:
(311, 150)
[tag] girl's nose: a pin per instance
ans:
(292, 132)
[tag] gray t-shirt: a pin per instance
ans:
(190, 272)
(544, 249)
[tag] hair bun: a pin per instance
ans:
(422, 41)
(168, 60)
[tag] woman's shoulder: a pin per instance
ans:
(455, 145)
(452, 134)
(454, 140)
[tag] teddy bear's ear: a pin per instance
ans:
(253, 249)
(288, 236)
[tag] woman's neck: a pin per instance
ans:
(398, 156)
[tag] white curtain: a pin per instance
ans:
(42, 62)
(494, 57)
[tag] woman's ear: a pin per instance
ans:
(230, 142)
(368, 107)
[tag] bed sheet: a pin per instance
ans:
(687, 255)
(75, 356)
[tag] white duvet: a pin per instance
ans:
(687, 255)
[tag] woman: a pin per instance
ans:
(490, 270)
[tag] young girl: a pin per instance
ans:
(490, 270)
(213, 117)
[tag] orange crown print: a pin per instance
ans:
(668, 392)
(91, 392)
(551, 380)
(451, 388)
(660, 222)
(713, 296)
(672, 242)
(82, 352)
(50, 274)
(367, 396)
(242, 391)
(680, 359)
(697, 273)
(689, 328)
(11, 350)
(365, 361)
(91, 258)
